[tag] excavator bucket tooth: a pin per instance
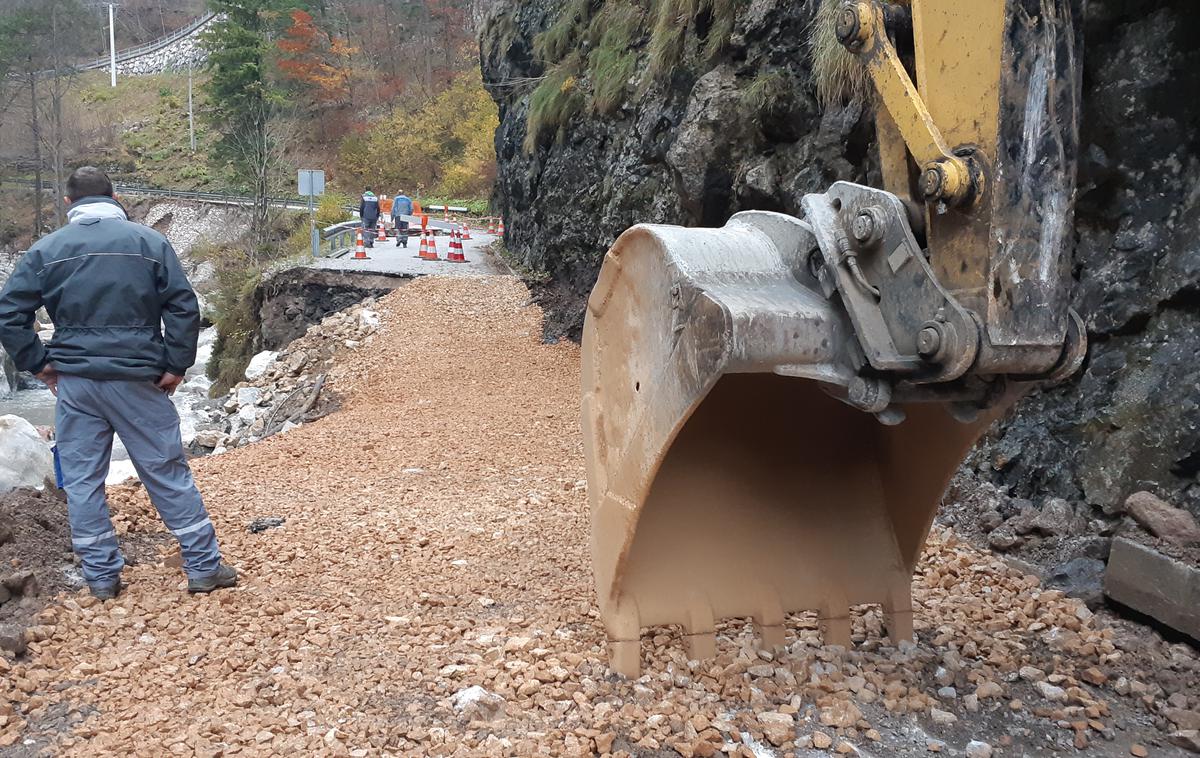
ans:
(725, 478)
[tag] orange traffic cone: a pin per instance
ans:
(433, 253)
(381, 231)
(423, 254)
(501, 230)
(456, 248)
(466, 231)
(446, 213)
(360, 248)
(491, 226)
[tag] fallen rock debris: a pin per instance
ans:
(360, 629)
(1163, 520)
(286, 388)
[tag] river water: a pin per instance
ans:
(37, 407)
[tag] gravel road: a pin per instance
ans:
(428, 593)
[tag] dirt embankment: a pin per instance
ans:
(416, 582)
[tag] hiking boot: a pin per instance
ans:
(226, 576)
(105, 590)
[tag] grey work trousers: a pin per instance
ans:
(87, 414)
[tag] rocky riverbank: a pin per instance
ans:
(288, 387)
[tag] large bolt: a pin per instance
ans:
(931, 181)
(867, 226)
(929, 341)
(871, 395)
(949, 180)
(854, 24)
(863, 226)
(847, 26)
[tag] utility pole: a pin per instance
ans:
(35, 128)
(112, 45)
(191, 112)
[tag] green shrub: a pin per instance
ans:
(767, 93)
(839, 74)
(556, 99)
(237, 327)
(331, 209)
(552, 45)
(613, 59)
(674, 20)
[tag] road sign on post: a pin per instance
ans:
(312, 183)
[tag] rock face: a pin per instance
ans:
(699, 145)
(691, 150)
(179, 55)
(1131, 419)
(189, 225)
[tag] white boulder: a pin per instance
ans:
(260, 363)
(368, 320)
(477, 704)
(120, 472)
(246, 414)
(25, 458)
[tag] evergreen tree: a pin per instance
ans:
(245, 92)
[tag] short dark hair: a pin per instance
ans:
(88, 181)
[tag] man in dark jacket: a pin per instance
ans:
(125, 328)
(368, 211)
(402, 206)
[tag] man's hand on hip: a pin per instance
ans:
(49, 377)
(169, 382)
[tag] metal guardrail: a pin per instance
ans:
(341, 237)
(209, 197)
(131, 53)
(221, 198)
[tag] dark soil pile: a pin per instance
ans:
(36, 561)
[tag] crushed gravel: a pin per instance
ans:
(427, 591)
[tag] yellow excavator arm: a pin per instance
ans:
(772, 410)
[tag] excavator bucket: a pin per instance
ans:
(727, 476)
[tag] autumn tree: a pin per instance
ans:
(445, 145)
(315, 62)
